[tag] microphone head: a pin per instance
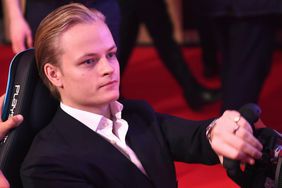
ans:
(251, 112)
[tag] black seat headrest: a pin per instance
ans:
(26, 95)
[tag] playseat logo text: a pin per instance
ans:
(14, 100)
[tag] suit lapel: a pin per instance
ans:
(154, 158)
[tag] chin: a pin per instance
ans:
(113, 97)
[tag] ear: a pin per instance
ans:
(54, 74)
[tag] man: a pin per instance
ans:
(5, 126)
(96, 141)
(245, 33)
(159, 26)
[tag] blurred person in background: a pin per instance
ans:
(154, 15)
(23, 21)
(245, 31)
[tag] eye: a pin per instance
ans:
(111, 55)
(91, 61)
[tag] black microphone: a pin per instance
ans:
(251, 112)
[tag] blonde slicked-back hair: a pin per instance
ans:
(47, 37)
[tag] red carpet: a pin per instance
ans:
(146, 78)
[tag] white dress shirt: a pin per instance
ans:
(114, 130)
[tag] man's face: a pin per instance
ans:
(89, 70)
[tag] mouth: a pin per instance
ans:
(111, 83)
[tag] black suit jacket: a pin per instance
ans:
(68, 154)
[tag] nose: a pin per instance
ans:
(106, 66)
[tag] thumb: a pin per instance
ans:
(12, 122)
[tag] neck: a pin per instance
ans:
(106, 112)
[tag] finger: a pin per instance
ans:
(233, 153)
(246, 159)
(245, 124)
(2, 98)
(12, 122)
(29, 41)
(17, 48)
(18, 44)
(1, 105)
(238, 124)
(249, 138)
(242, 140)
(20, 47)
(244, 147)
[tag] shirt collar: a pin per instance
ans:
(92, 120)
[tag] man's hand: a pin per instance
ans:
(232, 137)
(21, 36)
(12, 122)
(4, 128)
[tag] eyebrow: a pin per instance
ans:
(114, 47)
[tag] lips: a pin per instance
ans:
(108, 83)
